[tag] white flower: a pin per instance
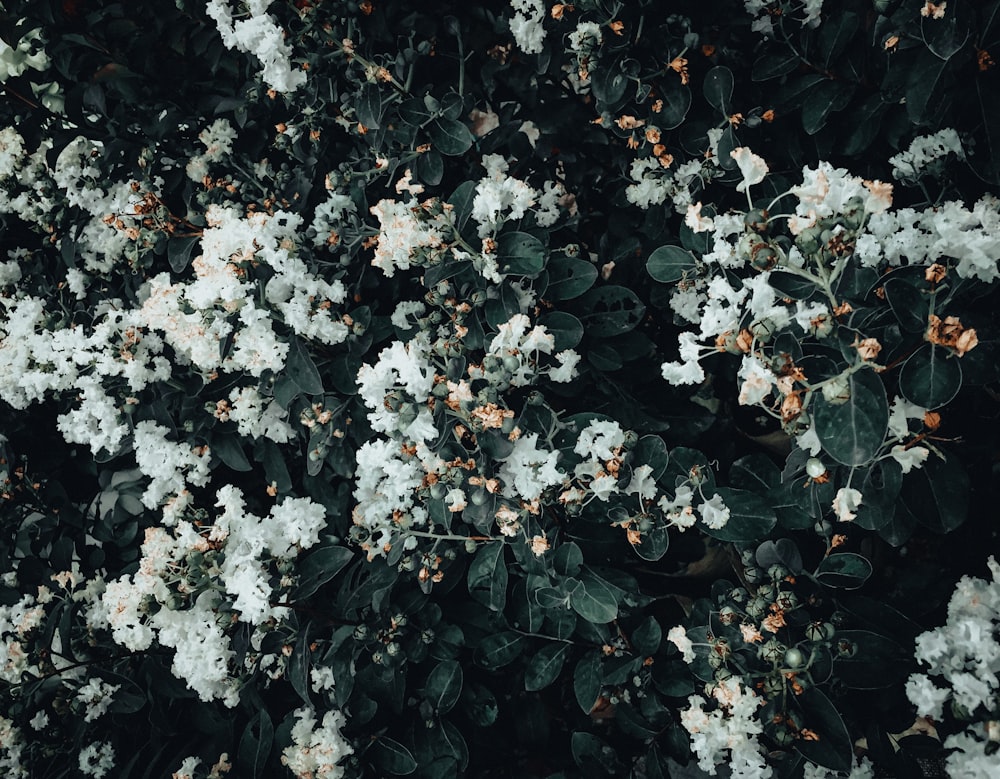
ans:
(846, 503)
(909, 458)
(526, 25)
(714, 513)
(753, 168)
(678, 637)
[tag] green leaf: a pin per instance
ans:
(866, 120)
(227, 447)
(298, 665)
(852, 432)
(608, 83)
(930, 377)
(569, 277)
(444, 686)
(275, 470)
(593, 600)
(827, 98)
(461, 202)
(770, 66)
(670, 263)
(567, 559)
(676, 104)
(751, 517)
(610, 311)
(369, 106)
(255, 745)
(567, 329)
(651, 451)
(925, 87)
(520, 254)
(835, 35)
(429, 168)
(593, 756)
(318, 567)
(392, 757)
(845, 570)
(781, 552)
(498, 650)
(544, 666)
(833, 749)
(479, 705)
(869, 661)
(488, 576)
(754, 472)
(300, 368)
(910, 306)
(587, 681)
(937, 495)
(179, 251)
(647, 637)
(718, 88)
(653, 543)
(449, 136)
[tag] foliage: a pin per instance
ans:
(494, 389)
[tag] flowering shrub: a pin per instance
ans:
(504, 389)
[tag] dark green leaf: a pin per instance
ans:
(227, 447)
(498, 650)
(488, 576)
(828, 97)
(544, 666)
(392, 757)
(569, 277)
(869, 661)
(520, 254)
(925, 87)
(318, 567)
(769, 66)
(567, 559)
(653, 543)
(179, 251)
(835, 35)
(718, 88)
(449, 136)
(676, 104)
(910, 306)
(852, 432)
(670, 263)
(930, 377)
(255, 745)
(587, 680)
(593, 600)
(369, 106)
(647, 637)
(566, 328)
(937, 495)
(300, 368)
(444, 686)
(833, 749)
(845, 570)
(651, 451)
(298, 665)
(609, 311)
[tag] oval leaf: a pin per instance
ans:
(444, 685)
(930, 377)
(544, 666)
(669, 264)
(852, 432)
(845, 570)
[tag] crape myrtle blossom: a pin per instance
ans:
(726, 733)
(259, 35)
(961, 668)
(526, 25)
(242, 550)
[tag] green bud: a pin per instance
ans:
(794, 658)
